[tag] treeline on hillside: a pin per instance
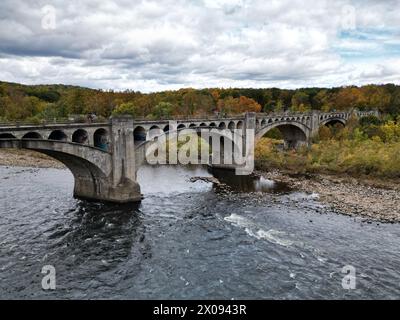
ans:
(38, 102)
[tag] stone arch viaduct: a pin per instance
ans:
(104, 157)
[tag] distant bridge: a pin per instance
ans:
(104, 157)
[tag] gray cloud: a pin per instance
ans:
(155, 45)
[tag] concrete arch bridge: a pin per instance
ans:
(104, 157)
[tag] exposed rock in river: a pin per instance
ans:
(205, 179)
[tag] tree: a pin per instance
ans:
(228, 105)
(268, 107)
(128, 108)
(279, 106)
(248, 105)
(322, 101)
(300, 102)
(346, 99)
(390, 132)
(242, 104)
(75, 101)
(324, 133)
(370, 120)
(100, 104)
(376, 97)
(394, 107)
(21, 108)
(51, 111)
(163, 110)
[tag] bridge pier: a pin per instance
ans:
(122, 183)
(315, 124)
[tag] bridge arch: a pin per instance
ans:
(90, 167)
(295, 134)
(224, 138)
(139, 134)
(32, 135)
(333, 121)
(231, 125)
(101, 139)
(154, 127)
(7, 136)
(222, 125)
(58, 135)
(80, 136)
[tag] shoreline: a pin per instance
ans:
(373, 199)
(27, 159)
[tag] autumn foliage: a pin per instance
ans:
(21, 102)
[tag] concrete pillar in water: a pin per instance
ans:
(123, 186)
(249, 135)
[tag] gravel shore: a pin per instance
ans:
(26, 158)
(372, 199)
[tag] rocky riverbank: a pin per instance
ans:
(372, 199)
(26, 158)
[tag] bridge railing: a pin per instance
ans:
(367, 113)
(191, 118)
(67, 121)
(49, 122)
(101, 121)
(284, 114)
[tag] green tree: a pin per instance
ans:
(163, 111)
(300, 102)
(128, 108)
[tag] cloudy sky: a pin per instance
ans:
(156, 45)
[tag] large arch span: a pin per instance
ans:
(333, 121)
(295, 134)
(91, 167)
(218, 140)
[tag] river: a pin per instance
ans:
(187, 240)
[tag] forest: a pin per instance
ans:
(36, 103)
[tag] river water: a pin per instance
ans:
(187, 240)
